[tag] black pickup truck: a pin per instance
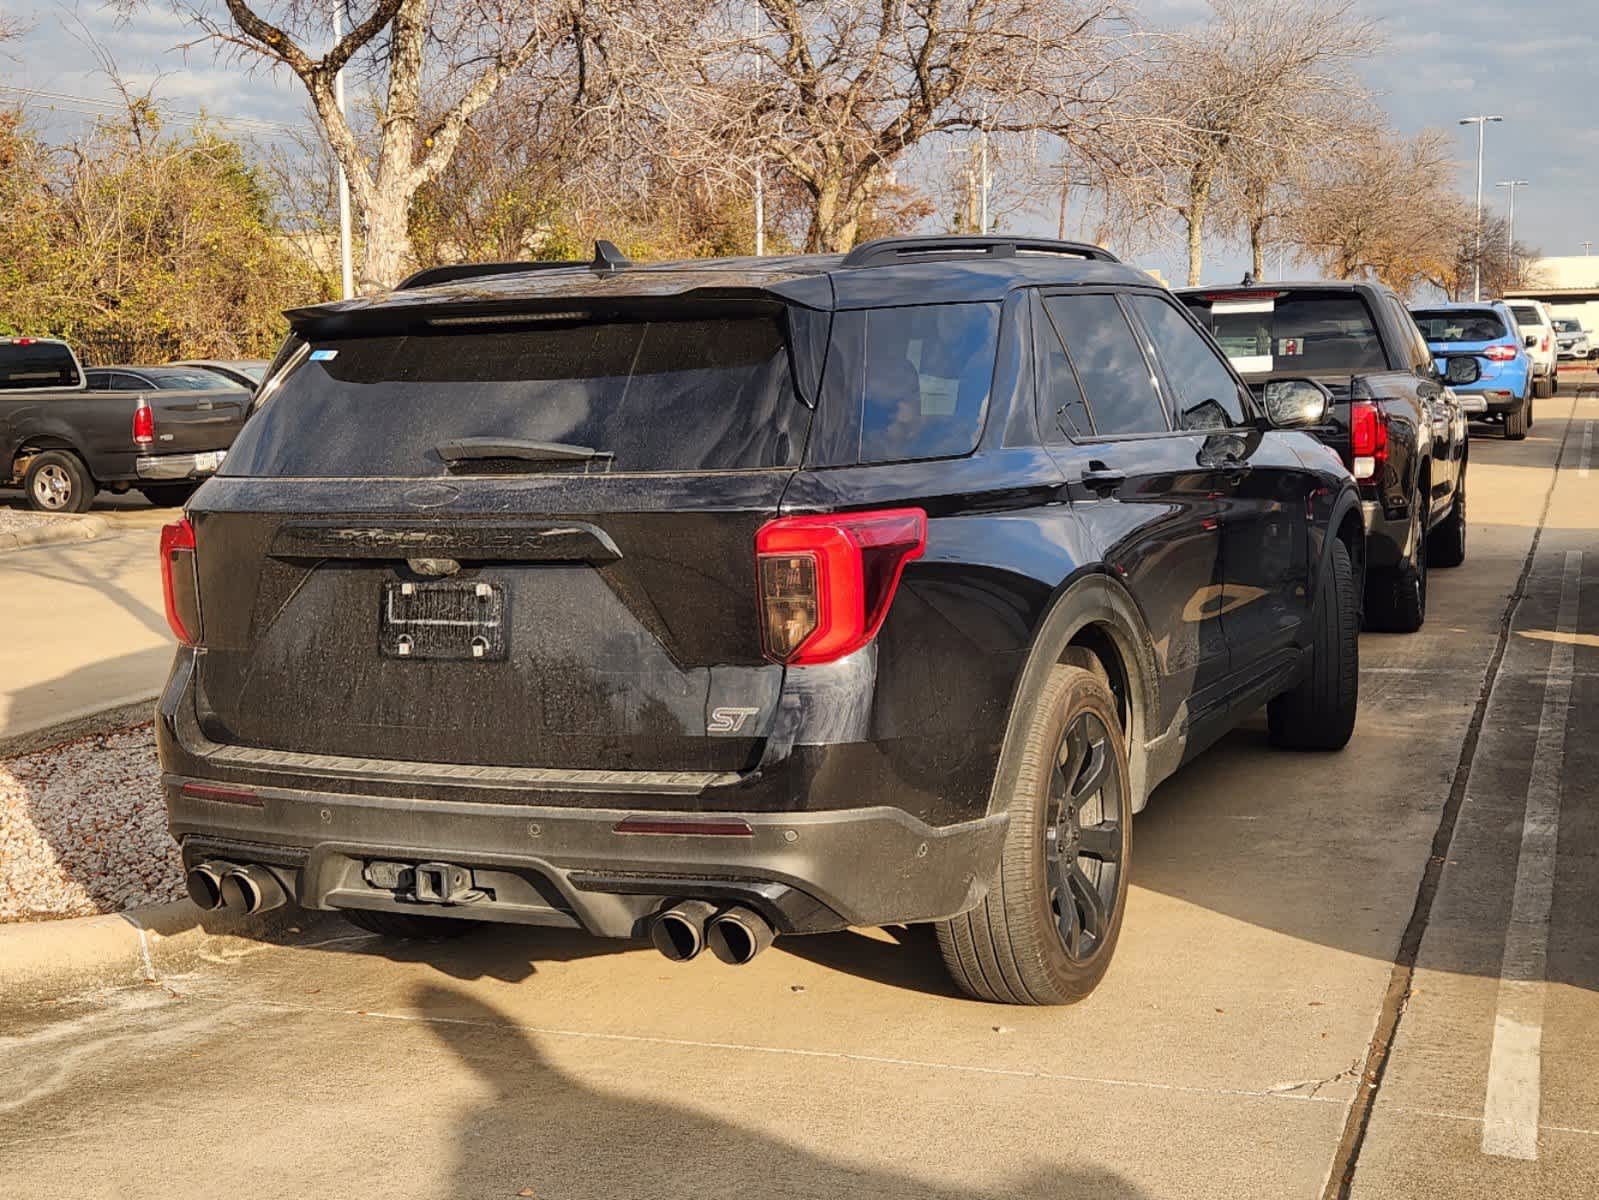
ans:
(1392, 418)
(62, 441)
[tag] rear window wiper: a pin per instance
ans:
(487, 449)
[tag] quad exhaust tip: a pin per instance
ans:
(679, 932)
(238, 889)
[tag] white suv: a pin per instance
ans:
(1573, 339)
(1536, 323)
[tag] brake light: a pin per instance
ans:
(1544, 345)
(179, 581)
(826, 582)
(1368, 439)
(1499, 352)
(144, 424)
(1256, 294)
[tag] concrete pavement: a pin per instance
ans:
(83, 622)
(1223, 1055)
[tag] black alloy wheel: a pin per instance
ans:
(1083, 837)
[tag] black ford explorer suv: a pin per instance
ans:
(725, 599)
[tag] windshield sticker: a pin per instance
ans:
(1289, 347)
(324, 355)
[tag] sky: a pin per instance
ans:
(1534, 63)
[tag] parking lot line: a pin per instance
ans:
(1587, 449)
(1511, 1107)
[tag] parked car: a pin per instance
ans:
(155, 379)
(246, 372)
(1393, 421)
(1537, 328)
(61, 441)
(718, 600)
(1573, 339)
(1484, 338)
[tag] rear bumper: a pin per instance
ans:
(559, 864)
(177, 467)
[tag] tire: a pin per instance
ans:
(1396, 599)
(407, 925)
(170, 495)
(1516, 420)
(58, 482)
(1446, 544)
(1542, 388)
(1319, 713)
(1554, 381)
(1047, 930)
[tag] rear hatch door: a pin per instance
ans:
(1470, 333)
(523, 543)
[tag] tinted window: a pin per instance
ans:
(97, 381)
(1062, 410)
(1292, 331)
(1525, 316)
(1207, 394)
(1111, 369)
(1416, 345)
(121, 381)
(1459, 324)
(711, 394)
(37, 365)
(928, 371)
(188, 379)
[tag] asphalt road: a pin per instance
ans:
(1306, 997)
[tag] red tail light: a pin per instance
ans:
(1499, 352)
(179, 582)
(1368, 439)
(826, 582)
(1544, 345)
(144, 425)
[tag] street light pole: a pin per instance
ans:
(1586, 247)
(1510, 221)
(1481, 122)
(346, 253)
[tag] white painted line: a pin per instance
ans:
(1515, 1065)
(1587, 449)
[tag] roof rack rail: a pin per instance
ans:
(881, 251)
(606, 258)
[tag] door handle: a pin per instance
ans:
(1103, 480)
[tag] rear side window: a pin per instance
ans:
(188, 379)
(26, 364)
(1206, 392)
(679, 395)
(928, 373)
(1111, 368)
(1459, 324)
(1292, 331)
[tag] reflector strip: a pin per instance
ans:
(689, 826)
(222, 795)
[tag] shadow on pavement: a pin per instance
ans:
(547, 1132)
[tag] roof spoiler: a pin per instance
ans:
(882, 251)
(606, 258)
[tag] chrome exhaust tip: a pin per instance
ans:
(738, 935)
(204, 884)
(251, 889)
(679, 932)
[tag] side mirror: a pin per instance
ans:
(1295, 403)
(1463, 369)
(1532, 340)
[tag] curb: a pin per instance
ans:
(45, 960)
(59, 530)
(127, 715)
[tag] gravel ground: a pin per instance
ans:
(83, 828)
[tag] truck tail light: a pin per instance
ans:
(1368, 439)
(1499, 352)
(180, 584)
(826, 582)
(1544, 345)
(144, 424)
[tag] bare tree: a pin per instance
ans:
(1237, 100)
(432, 65)
(1388, 210)
(834, 94)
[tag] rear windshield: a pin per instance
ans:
(704, 394)
(1292, 331)
(37, 365)
(1526, 316)
(1459, 324)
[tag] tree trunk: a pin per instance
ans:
(1198, 207)
(1257, 248)
(387, 252)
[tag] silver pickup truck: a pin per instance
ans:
(62, 441)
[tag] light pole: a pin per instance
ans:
(346, 258)
(1510, 223)
(1481, 122)
(1586, 247)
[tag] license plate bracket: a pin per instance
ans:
(447, 621)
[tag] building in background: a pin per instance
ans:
(1568, 284)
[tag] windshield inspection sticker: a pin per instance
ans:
(324, 355)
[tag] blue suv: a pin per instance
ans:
(1480, 351)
